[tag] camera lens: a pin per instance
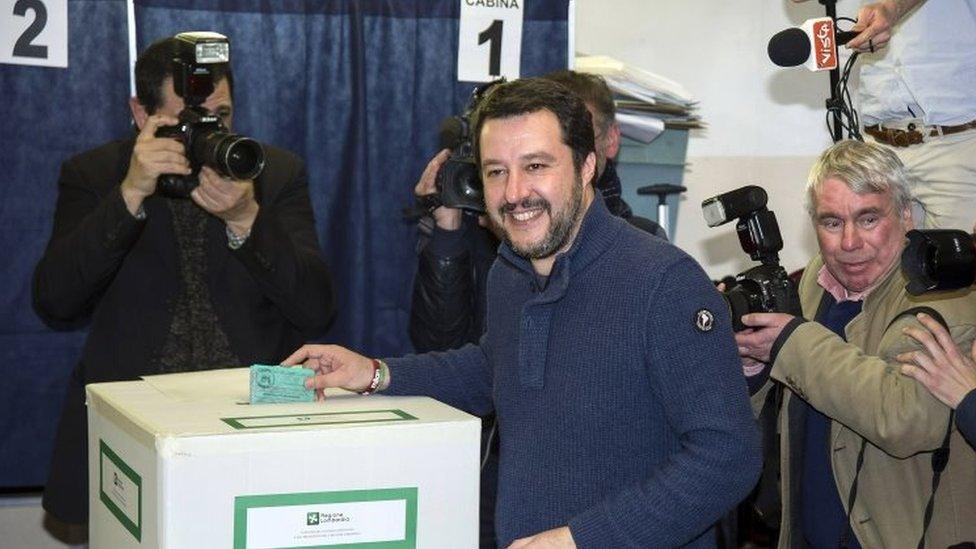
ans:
(938, 259)
(234, 155)
(244, 157)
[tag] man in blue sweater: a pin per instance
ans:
(608, 356)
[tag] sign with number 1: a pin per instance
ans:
(34, 32)
(489, 40)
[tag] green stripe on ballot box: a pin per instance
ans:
(324, 418)
(355, 519)
(120, 489)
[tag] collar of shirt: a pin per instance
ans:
(836, 289)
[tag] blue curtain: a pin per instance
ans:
(357, 88)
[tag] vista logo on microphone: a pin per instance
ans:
(812, 45)
(825, 48)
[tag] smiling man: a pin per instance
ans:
(608, 356)
(858, 437)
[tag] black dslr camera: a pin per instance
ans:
(939, 259)
(203, 135)
(765, 288)
(458, 181)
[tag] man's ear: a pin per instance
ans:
(139, 113)
(908, 219)
(588, 170)
(613, 140)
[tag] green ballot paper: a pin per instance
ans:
(272, 384)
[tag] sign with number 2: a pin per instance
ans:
(34, 32)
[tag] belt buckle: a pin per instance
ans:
(904, 138)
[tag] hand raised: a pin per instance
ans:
(446, 218)
(151, 157)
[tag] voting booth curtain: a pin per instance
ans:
(357, 88)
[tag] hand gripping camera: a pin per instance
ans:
(203, 135)
(458, 181)
(939, 259)
(765, 288)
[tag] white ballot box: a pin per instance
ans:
(182, 461)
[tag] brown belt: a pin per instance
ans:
(911, 136)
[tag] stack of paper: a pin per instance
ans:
(647, 103)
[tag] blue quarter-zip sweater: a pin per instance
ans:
(622, 408)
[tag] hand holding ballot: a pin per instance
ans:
(336, 366)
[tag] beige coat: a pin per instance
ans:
(859, 386)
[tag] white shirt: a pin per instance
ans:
(928, 70)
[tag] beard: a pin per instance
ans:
(561, 224)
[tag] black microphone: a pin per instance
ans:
(796, 46)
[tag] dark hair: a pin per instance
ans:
(155, 64)
(530, 95)
(592, 89)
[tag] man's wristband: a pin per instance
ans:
(380, 372)
(235, 241)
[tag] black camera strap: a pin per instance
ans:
(940, 457)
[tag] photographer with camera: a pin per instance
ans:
(214, 271)
(864, 447)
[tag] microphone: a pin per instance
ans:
(813, 45)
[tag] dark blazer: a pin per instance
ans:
(270, 295)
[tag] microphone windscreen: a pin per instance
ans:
(451, 132)
(789, 48)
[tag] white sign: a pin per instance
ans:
(326, 524)
(490, 40)
(34, 32)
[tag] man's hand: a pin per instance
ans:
(448, 219)
(229, 199)
(334, 366)
(758, 342)
(557, 538)
(151, 157)
(946, 372)
(874, 23)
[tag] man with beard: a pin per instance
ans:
(608, 356)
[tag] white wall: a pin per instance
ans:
(765, 124)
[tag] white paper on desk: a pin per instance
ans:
(641, 128)
(634, 81)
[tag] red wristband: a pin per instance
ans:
(374, 383)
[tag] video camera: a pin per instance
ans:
(765, 288)
(204, 136)
(458, 181)
(939, 259)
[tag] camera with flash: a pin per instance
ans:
(765, 288)
(203, 135)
